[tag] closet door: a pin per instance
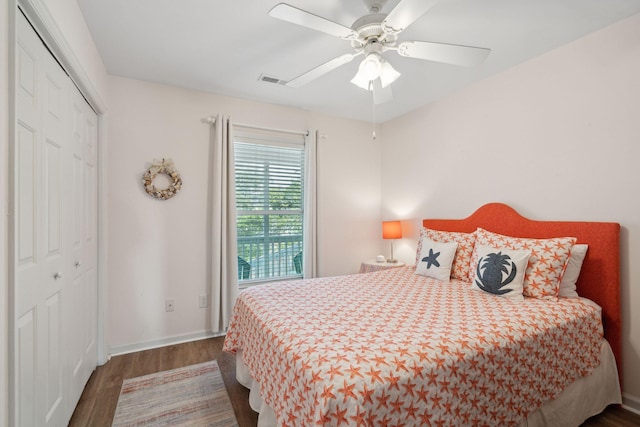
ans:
(83, 351)
(54, 238)
(40, 270)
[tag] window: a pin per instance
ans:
(269, 177)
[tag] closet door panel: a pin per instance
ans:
(53, 199)
(26, 165)
(55, 152)
(27, 149)
(53, 393)
(90, 250)
(29, 243)
(26, 81)
(42, 266)
(83, 226)
(26, 333)
(76, 290)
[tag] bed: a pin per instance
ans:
(399, 348)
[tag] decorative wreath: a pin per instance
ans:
(165, 167)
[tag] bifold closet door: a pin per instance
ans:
(82, 220)
(54, 349)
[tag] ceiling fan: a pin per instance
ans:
(371, 36)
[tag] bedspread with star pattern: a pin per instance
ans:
(397, 349)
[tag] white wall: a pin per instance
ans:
(557, 137)
(158, 249)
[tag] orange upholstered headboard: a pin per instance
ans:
(600, 274)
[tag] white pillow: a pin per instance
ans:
(570, 276)
(435, 259)
(462, 259)
(500, 271)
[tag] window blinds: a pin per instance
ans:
(269, 172)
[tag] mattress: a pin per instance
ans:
(393, 347)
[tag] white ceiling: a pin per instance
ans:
(225, 46)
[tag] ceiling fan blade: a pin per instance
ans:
(381, 94)
(467, 56)
(404, 14)
(306, 19)
(321, 70)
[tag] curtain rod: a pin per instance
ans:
(212, 120)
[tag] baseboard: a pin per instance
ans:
(631, 403)
(163, 342)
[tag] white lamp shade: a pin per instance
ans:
(369, 69)
(388, 74)
(372, 67)
(361, 81)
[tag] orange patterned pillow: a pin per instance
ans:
(462, 258)
(546, 266)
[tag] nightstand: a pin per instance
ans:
(372, 265)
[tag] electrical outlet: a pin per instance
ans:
(204, 301)
(169, 304)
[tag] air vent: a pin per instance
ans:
(270, 79)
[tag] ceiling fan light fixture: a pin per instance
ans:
(371, 66)
(361, 81)
(369, 69)
(388, 74)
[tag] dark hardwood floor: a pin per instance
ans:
(98, 401)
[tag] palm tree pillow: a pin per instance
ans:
(500, 271)
(546, 265)
(435, 259)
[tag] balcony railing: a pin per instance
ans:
(269, 257)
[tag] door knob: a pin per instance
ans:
(78, 264)
(57, 276)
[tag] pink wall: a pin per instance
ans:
(158, 249)
(557, 137)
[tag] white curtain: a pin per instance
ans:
(310, 251)
(224, 252)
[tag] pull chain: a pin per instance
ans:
(373, 134)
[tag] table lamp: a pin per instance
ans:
(391, 230)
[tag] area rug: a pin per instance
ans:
(194, 395)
